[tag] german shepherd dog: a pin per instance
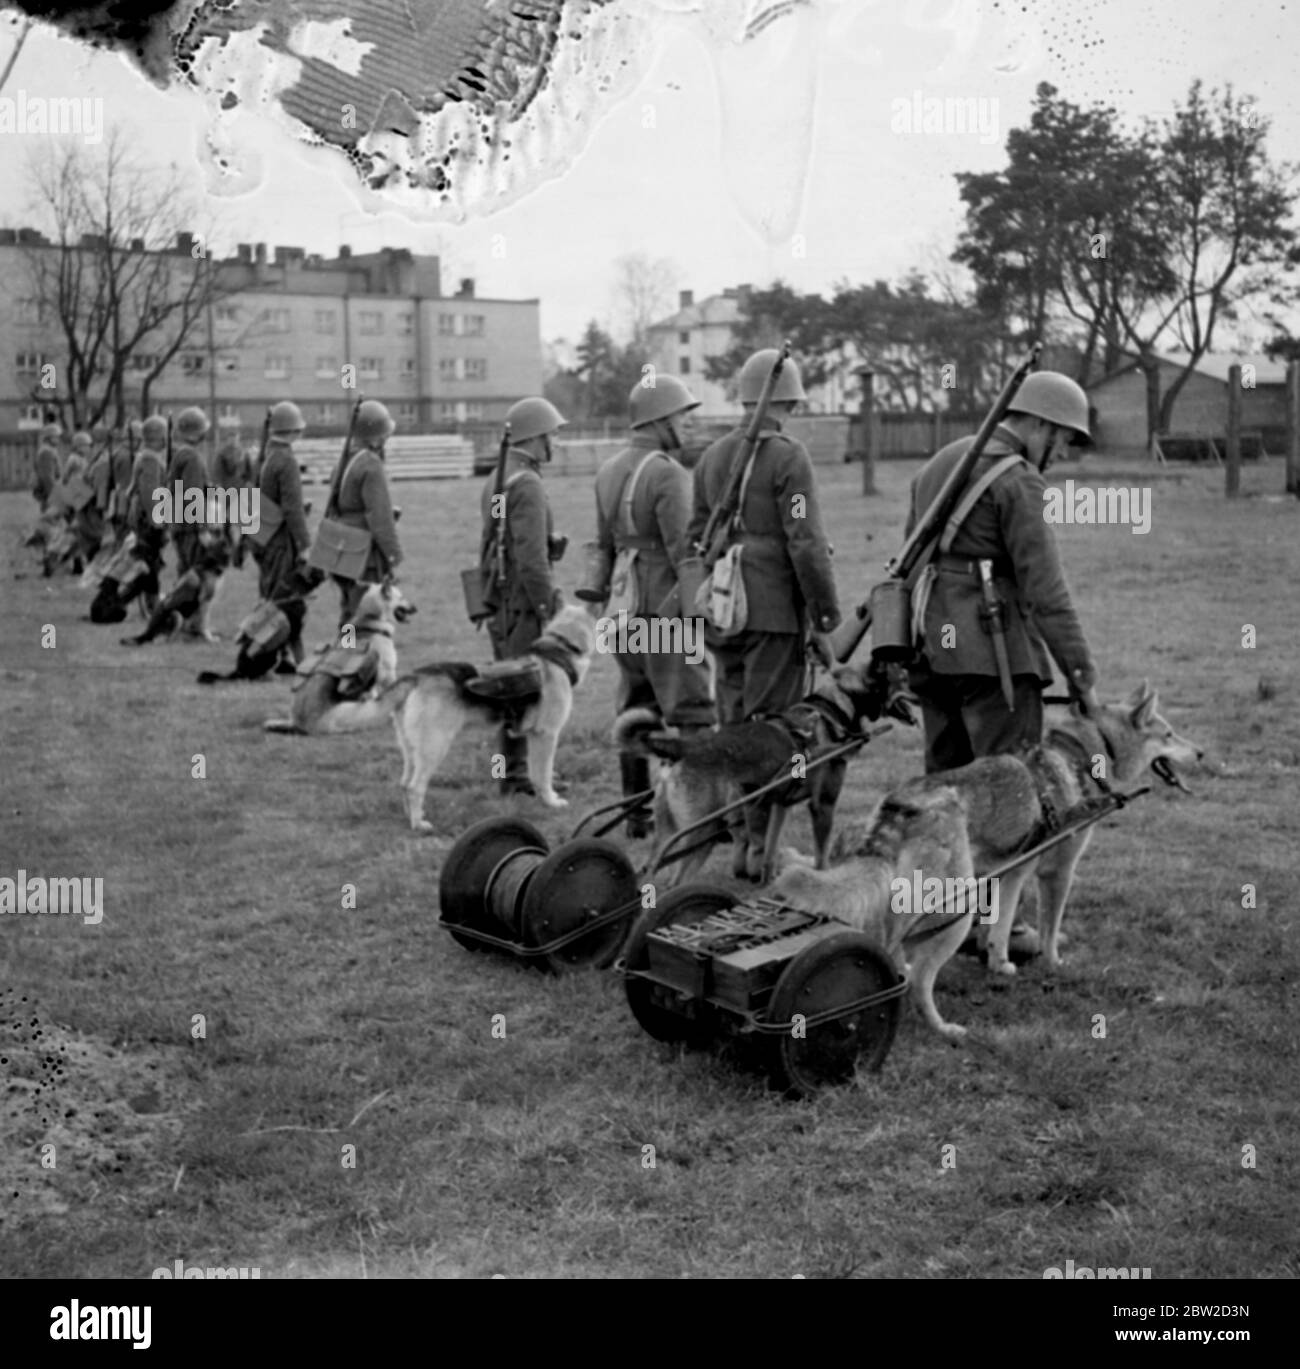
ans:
(711, 770)
(431, 707)
(183, 611)
(323, 702)
(963, 822)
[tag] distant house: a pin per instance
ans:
(1119, 401)
(681, 344)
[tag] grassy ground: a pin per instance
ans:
(324, 1026)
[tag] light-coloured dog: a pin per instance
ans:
(320, 703)
(430, 709)
(959, 824)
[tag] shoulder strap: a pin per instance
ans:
(972, 497)
(336, 483)
(623, 522)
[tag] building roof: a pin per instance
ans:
(1214, 365)
(717, 309)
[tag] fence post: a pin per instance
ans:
(1232, 471)
(867, 414)
(1293, 428)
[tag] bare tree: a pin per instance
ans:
(124, 278)
(643, 292)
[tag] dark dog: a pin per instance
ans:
(184, 609)
(716, 768)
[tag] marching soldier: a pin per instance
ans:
(524, 522)
(123, 463)
(189, 468)
(281, 559)
(232, 470)
(364, 502)
(786, 569)
(643, 510)
(985, 664)
(148, 476)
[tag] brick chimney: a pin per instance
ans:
(244, 253)
(344, 252)
(259, 254)
(685, 298)
(466, 290)
(185, 243)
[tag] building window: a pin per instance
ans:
(405, 323)
(684, 365)
(29, 363)
(370, 323)
(326, 320)
(446, 409)
(474, 324)
(325, 368)
(474, 409)
(476, 368)
(276, 320)
(446, 324)
(193, 363)
(228, 363)
(684, 337)
(408, 368)
(371, 368)
(227, 313)
(326, 413)
(31, 417)
(406, 413)
(448, 368)
(230, 413)
(277, 367)
(143, 361)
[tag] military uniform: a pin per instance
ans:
(364, 502)
(965, 713)
(90, 520)
(122, 462)
(528, 595)
(188, 467)
(659, 517)
(277, 560)
(786, 567)
(46, 474)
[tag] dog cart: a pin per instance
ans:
(822, 999)
(503, 888)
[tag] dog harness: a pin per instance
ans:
(556, 651)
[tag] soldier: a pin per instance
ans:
(643, 509)
(957, 678)
(90, 521)
(189, 468)
(786, 569)
(232, 470)
(281, 560)
(48, 467)
(528, 597)
(364, 502)
(128, 443)
(148, 476)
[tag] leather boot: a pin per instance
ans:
(515, 751)
(635, 771)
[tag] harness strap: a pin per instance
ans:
(557, 652)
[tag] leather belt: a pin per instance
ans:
(970, 565)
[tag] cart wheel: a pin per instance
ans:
(478, 852)
(575, 883)
(836, 970)
(686, 904)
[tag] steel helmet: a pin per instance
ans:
(754, 374)
(81, 441)
(154, 430)
(286, 417)
(662, 398)
(191, 424)
(374, 424)
(51, 432)
(1054, 397)
(534, 417)
(136, 428)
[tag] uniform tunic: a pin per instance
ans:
(529, 589)
(281, 483)
(786, 568)
(364, 502)
(660, 516)
(45, 474)
(957, 680)
(191, 470)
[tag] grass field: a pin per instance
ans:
(221, 1140)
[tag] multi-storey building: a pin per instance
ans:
(289, 328)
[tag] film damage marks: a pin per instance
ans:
(77, 897)
(631, 635)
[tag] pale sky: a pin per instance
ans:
(738, 162)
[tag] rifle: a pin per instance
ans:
(889, 602)
(717, 531)
(336, 480)
(261, 446)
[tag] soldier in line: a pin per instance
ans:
(364, 502)
(643, 510)
(127, 445)
(528, 597)
(148, 476)
(189, 468)
(786, 569)
(76, 468)
(281, 560)
(956, 677)
(92, 519)
(46, 473)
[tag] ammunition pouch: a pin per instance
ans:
(598, 565)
